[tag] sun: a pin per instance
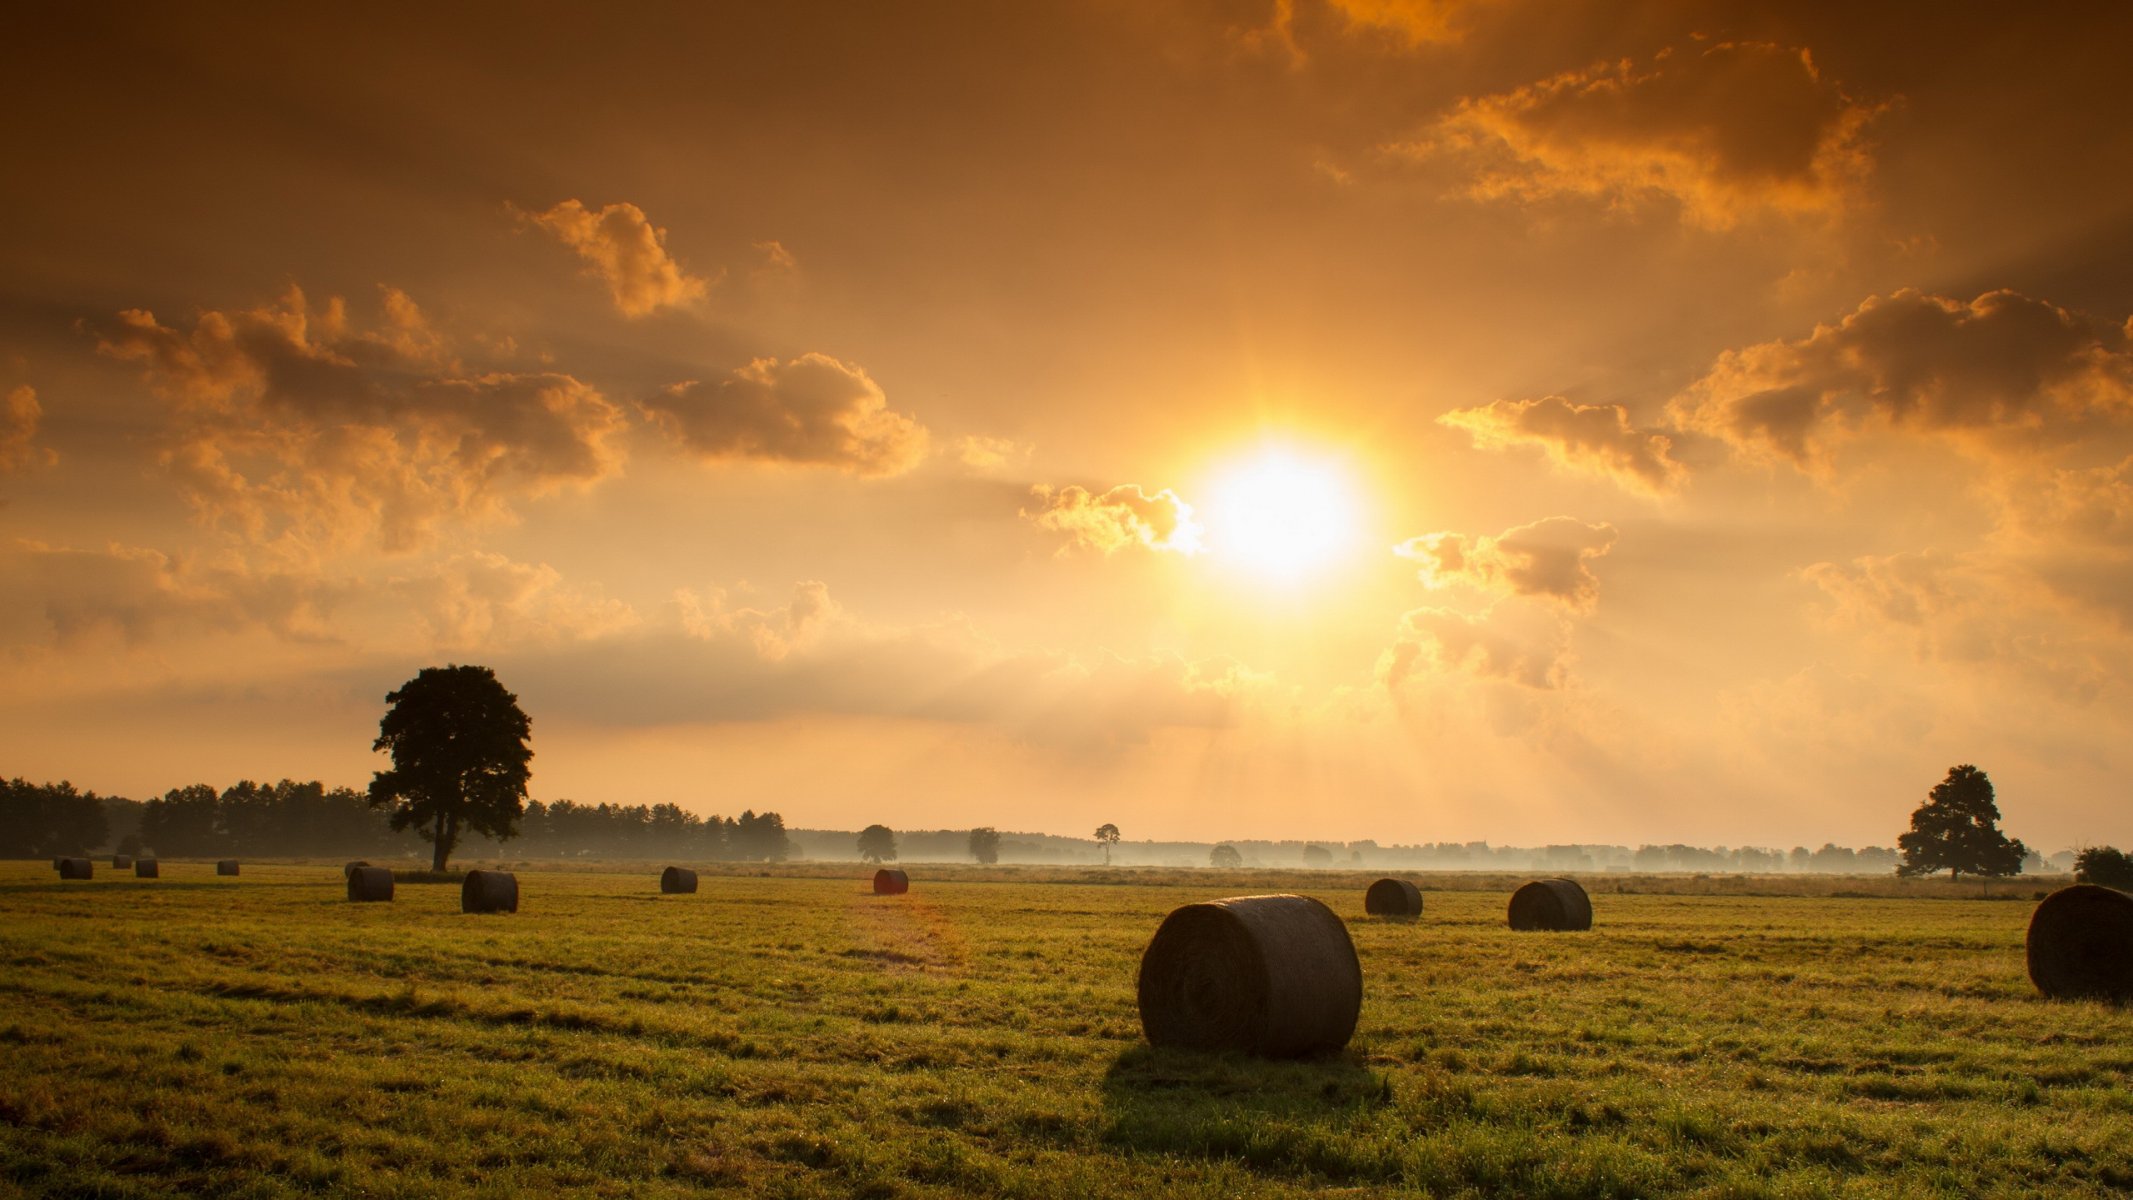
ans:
(1282, 515)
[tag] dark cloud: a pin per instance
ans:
(811, 410)
(1591, 438)
(1549, 559)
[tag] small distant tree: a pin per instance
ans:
(1957, 829)
(458, 743)
(985, 844)
(1224, 855)
(2106, 867)
(877, 843)
(1317, 856)
(1107, 837)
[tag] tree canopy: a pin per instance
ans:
(458, 744)
(877, 843)
(1224, 855)
(1957, 830)
(1107, 837)
(985, 844)
(41, 820)
(2106, 866)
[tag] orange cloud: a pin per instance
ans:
(19, 414)
(1490, 646)
(628, 252)
(1548, 559)
(1113, 520)
(289, 422)
(140, 596)
(1594, 439)
(486, 600)
(811, 410)
(1730, 130)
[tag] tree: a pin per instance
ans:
(1317, 856)
(41, 820)
(1957, 829)
(877, 843)
(1107, 835)
(2106, 867)
(1224, 855)
(985, 844)
(458, 742)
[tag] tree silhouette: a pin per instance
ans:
(985, 844)
(1317, 856)
(1107, 835)
(1957, 829)
(458, 742)
(1224, 855)
(877, 843)
(2105, 866)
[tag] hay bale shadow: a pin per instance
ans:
(1277, 1117)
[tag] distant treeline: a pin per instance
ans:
(298, 820)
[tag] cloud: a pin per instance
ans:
(1548, 559)
(1493, 645)
(811, 410)
(486, 600)
(627, 251)
(288, 422)
(980, 452)
(1726, 131)
(1113, 520)
(2000, 373)
(1594, 439)
(774, 633)
(19, 414)
(139, 596)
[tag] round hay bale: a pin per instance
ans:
(75, 868)
(366, 883)
(146, 868)
(677, 881)
(1555, 904)
(2081, 944)
(1269, 975)
(1393, 898)
(120, 862)
(226, 866)
(891, 882)
(348, 872)
(489, 892)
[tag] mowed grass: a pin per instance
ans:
(791, 1035)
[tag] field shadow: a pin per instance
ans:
(1278, 1117)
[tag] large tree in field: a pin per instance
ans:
(1957, 829)
(877, 843)
(458, 742)
(985, 844)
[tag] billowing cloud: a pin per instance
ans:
(1724, 131)
(1493, 645)
(19, 414)
(1549, 559)
(486, 600)
(289, 422)
(811, 410)
(1595, 439)
(2001, 372)
(628, 252)
(1113, 520)
(138, 596)
(774, 633)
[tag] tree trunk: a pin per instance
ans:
(440, 848)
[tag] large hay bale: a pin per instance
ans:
(676, 881)
(121, 862)
(2081, 944)
(146, 868)
(1268, 975)
(891, 882)
(1393, 898)
(226, 866)
(75, 868)
(367, 883)
(489, 892)
(348, 872)
(1557, 904)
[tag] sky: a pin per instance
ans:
(1418, 420)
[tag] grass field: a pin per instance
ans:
(790, 1035)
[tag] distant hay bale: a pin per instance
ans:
(891, 882)
(1393, 898)
(145, 868)
(489, 892)
(120, 862)
(2081, 944)
(348, 872)
(75, 868)
(1556, 904)
(676, 881)
(226, 866)
(1274, 976)
(367, 883)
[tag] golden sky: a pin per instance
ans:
(1534, 421)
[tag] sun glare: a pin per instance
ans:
(1281, 515)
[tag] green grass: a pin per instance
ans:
(786, 1034)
